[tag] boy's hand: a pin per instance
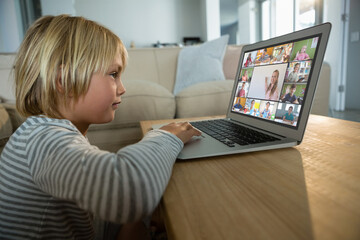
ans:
(183, 130)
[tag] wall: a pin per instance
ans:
(332, 14)
(145, 22)
(229, 19)
(352, 100)
(248, 24)
(212, 10)
(9, 26)
(55, 7)
(138, 21)
(232, 31)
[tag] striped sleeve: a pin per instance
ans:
(119, 187)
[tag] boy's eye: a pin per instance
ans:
(114, 75)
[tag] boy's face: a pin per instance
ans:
(98, 105)
(292, 91)
(296, 69)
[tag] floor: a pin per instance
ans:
(349, 114)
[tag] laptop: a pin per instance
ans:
(271, 99)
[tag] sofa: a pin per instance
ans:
(149, 80)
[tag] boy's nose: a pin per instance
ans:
(120, 88)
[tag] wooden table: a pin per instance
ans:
(311, 191)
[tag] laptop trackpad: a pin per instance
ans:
(202, 146)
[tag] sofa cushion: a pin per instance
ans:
(143, 100)
(200, 63)
(5, 126)
(204, 99)
(156, 65)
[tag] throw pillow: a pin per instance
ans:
(200, 63)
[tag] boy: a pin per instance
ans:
(52, 181)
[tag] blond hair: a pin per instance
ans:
(273, 89)
(65, 47)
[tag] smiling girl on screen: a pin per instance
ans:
(271, 91)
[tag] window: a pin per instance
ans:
(279, 17)
(304, 14)
(15, 18)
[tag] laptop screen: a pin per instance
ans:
(272, 81)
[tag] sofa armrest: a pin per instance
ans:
(15, 118)
(6, 127)
(231, 61)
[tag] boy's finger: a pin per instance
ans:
(196, 131)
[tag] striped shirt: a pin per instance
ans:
(52, 181)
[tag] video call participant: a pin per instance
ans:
(245, 77)
(271, 91)
(266, 112)
(242, 90)
(264, 58)
(289, 117)
(293, 76)
(290, 95)
(279, 57)
(248, 61)
(286, 55)
(252, 110)
(302, 55)
(238, 105)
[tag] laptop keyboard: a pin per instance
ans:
(230, 133)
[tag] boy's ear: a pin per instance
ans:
(59, 82)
